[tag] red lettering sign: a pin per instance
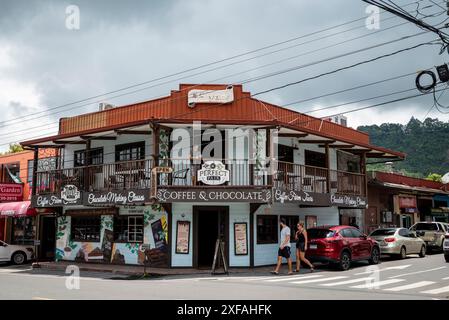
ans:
(11, 192)
(407, 202)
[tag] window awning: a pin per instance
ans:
(17, 209)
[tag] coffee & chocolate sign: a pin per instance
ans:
(214, 195)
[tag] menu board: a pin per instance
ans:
(240, 238)
(182, 237)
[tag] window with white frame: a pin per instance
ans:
(128, 229)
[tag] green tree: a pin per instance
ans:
(434, 177)
(13, 148)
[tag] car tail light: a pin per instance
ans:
(447, 236)
(390, 239)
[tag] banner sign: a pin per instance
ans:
(118, 197)
(69, 195)
(301, 197)
(214, 195)
(11, 192)
(213, 173)
(348, 201)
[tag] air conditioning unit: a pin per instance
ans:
(105, 106)
(338, 119)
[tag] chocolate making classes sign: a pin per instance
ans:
(116, 197)
(348, 201)
(168, 195)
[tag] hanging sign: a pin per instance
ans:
(213, 173)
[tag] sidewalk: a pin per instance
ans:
(139, 270)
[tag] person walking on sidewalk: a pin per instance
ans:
(284, 248)
(301, 247)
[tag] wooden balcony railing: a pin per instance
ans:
(242, 173)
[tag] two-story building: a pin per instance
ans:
(206, 162)
(19, 222)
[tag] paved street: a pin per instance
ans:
(412, 278)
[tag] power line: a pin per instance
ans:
(314, 63)
(205, 65)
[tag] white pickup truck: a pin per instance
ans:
(446, 247)
(17, 254)
(432, 233)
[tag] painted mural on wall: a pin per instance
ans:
(106, 251)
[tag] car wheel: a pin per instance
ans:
(19, 258)
(446, 258)
(422, 253)
(375, 256)
(403, 253)
(345, 261)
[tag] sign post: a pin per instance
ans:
(36, 244)
(145, 247)
(219, 254)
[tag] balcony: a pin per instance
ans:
(138, 175)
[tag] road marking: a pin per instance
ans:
(293, 278)
(40, 298)
(447, 278)
(437, 291)
(417, 272)
(411, 286)
(319, 280)
(385, 269)
(345, 282)
(376, 284)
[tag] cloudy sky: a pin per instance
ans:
(46, 63)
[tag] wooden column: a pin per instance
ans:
(363, 171)
(35, 164)
(86, 182)
(155, 155)
(268, 151)
(327, 158)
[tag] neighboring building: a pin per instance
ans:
(131, 178)
(19, 222)
(399, 201)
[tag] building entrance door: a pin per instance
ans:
(47, 238)
(406, 221)
(210, 224)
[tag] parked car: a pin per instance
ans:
(399, 242)
(340, 245)
(446, 247)
(17, 254)
(431, 232)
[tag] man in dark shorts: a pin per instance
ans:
(284, 248)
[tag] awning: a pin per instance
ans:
(17, 209)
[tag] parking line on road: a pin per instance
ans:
(447, 278)
(294, 278)
(417, 272)
(377, 284)
(345, 282)
(437, 291)
(319, 280)
(411, 286)
(41, 298)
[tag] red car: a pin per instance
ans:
(340, 245)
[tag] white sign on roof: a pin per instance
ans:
(210, 96)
